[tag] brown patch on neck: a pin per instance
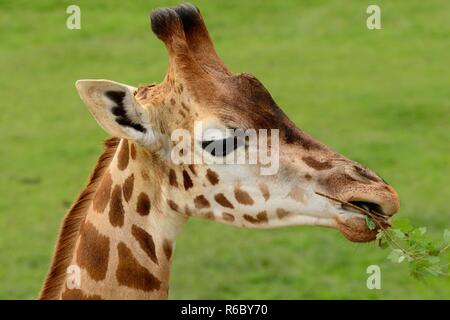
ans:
(145, 240)
(116, 210)
(187, 182)
(260, 218)
(133, 151)
(209, 215)
(212, 177)
(227, 216)
(128, 186)
(167, 248)
(123, 156)
(131, 274)
(71, 225)
(243, 197)
(93, 252)
(201, 202)
(143, 204)
(173, 178)
(223, 201)
(172, 205)
(281, 213)
(103, 193)
(192, 168)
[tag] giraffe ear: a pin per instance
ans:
(116, 110)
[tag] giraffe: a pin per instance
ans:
(121, 230)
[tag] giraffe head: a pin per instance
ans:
(199, 89)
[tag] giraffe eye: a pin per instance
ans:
(222, 147)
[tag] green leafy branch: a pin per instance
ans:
(411, 244)
(408, 244)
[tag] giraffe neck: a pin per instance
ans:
(124, 247)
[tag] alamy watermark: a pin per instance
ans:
(373, 21)
(374, 280)
(73, 280)
(73, 21)
(227, 146)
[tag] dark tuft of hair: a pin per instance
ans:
(189, 15)
(163, 22)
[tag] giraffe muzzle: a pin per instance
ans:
(353, 224)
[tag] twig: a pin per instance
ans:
(375, 218)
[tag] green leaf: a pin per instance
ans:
(382, 243)
(398, 234)
(396, 256)
(429, 271)
(381, 234)
(418, 234)
(370, 223)
(432, 250)
(424, 257)
(403, 224)
(432, 260)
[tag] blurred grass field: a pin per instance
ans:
(379, 97)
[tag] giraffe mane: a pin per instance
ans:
(72, 223)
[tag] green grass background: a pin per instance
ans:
(379, 97)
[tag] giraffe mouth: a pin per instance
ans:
(372, 208)
(353, 224)
(351, 221)
(358, 208)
